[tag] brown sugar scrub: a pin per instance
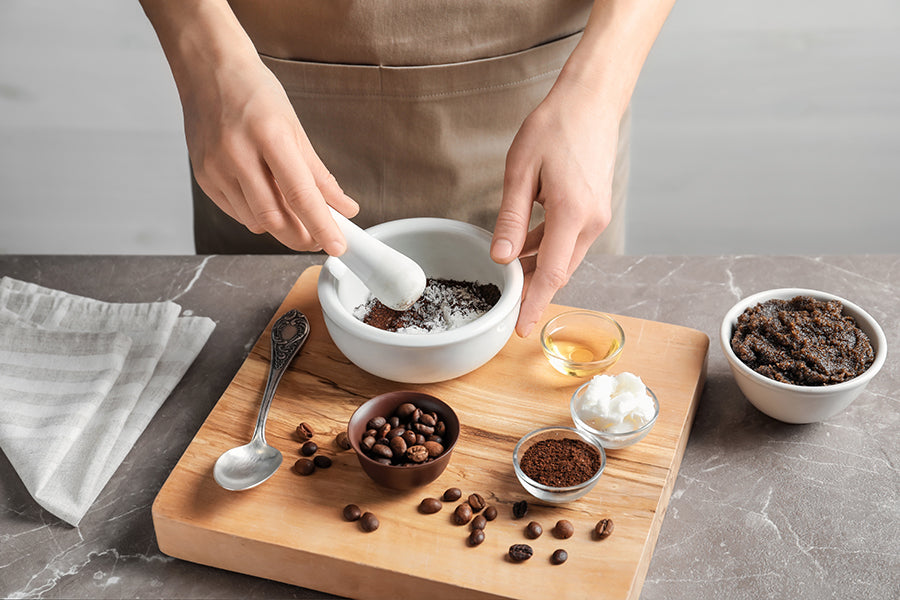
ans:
(802, 341)
(560, 462)
(445, 304)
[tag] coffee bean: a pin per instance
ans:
(434, 449)
(462, 514)
(382, 451)
(394, 421)
(416, 454)
(370, 433)
(520, 552)
(476, 537)
(409, 436)
(415, 416)
(352, 512)
(440, 428)
(304, 432)
(428, 420)
(603, 529)
(405, 410)
(452, 494)
(368, 442)
(425, 430)
(375, 423)
(395, 431)
(476, 502)
(382, 460)
(322, 461)
(436, 439)
(342, 441)
(309, 448)
(479, 522)
(533, 530)
(520, 509)
(429, 506)
(490, 513)
(304, 466)
(564, 529)
(398, 446)
(420, 440)
(384, 430)
(368, 522)
(559, 557)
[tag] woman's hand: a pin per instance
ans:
(563, 158)
(247, 147)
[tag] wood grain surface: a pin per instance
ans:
(290, 528)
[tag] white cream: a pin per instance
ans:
(616, 403)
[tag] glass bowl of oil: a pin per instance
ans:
(582, 343)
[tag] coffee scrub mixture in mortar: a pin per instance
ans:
(803, 341)
(445, 304)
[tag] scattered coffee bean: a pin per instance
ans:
(352, 512)
(429, 506)
(490, 513)
(304, 432)
(309, 448)
(452, 494)
(322, 461)
(416, 454)
(564, 529)
(375, 423)
(342, 441)
(368, 522)
(559, 557)
(304, 466)
(520, 509)
(476, 502)
(479, 522)
(520, 552)
(476, 537)
(603, 529)
(462, 514)
(533, 530)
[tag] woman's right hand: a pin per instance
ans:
(247, 147)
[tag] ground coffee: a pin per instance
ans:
(445, 304)
(560, 462)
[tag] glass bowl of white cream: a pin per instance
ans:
(616, 410)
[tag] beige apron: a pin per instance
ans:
(420, 139)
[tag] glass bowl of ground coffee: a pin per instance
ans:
(464, 318)
(558, 464)
(800, 355)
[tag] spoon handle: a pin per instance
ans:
(289, 333)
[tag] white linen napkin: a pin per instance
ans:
(134, 353)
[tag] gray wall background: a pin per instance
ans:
(760, 126)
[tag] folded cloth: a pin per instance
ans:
(134, 353)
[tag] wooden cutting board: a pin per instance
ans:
(290, 528)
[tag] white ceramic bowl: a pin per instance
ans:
(799, 403)
(444, 248)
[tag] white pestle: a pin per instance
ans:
(394, 278)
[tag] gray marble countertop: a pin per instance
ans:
(760, 509)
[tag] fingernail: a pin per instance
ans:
(502, 249)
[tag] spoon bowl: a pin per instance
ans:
(247, 466)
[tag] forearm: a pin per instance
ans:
(616, 41)
(198, 37)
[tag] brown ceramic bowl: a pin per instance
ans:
(402, 477)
